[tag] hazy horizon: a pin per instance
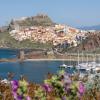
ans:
(75, 13)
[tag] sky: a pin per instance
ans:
(71, 12)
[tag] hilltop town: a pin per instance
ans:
(41, 30)
(53, 33)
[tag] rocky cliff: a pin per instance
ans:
(90, 44)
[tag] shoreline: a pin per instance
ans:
(55, 60)
(46, 59)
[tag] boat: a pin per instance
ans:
(63, 66)
(70, 66)
(88, 66)
(66, 66)
(97, 69)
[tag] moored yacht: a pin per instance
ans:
(97, 69)
(63, 66)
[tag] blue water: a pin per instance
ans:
(35, 71)
(11, 53)
(8, 53)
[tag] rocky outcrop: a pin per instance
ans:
(91, 43)
(25, 22)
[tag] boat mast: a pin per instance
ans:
(78, 57)
(87, 58)
(70, 59)
(63, 60)
(94, 57)
(82, 56)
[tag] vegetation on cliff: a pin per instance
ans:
(6, 41)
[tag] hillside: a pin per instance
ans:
(6, 41)
(90, 44)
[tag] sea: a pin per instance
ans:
(34, 71)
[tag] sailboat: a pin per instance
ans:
(97, 68)
(70, 66)
(63, 65)
(67, 66)
(78, 66)
(81, 67)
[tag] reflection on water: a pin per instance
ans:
(35, 71)
(8, 53)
